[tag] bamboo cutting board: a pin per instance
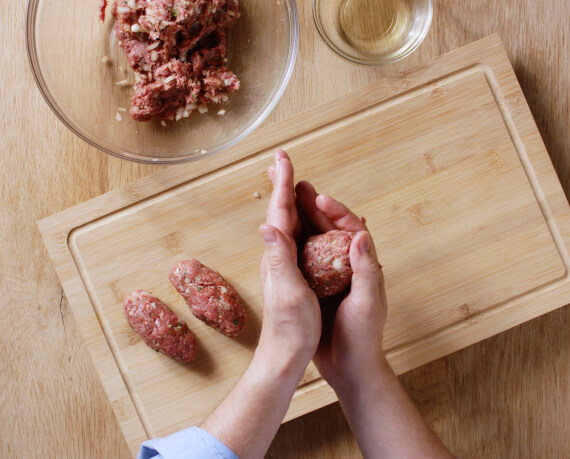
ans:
(444, 161)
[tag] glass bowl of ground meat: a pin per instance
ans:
(162, 81)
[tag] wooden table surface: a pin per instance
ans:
(508, 396)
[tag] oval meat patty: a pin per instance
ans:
(325, 262)
(159, 327)
(209, 296)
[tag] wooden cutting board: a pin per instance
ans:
(444, 161)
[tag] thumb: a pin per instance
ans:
(280, 254)
(366, 274)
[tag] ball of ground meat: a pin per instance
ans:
(159, 327)
(325, 262)
(209, 296)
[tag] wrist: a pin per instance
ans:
(374, 375)
(272, 366)
(250, 415)
(284, 352)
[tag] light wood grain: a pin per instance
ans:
(505, 397)
(441, 162)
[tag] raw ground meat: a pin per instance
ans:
(209, 296)
(102, 8)
(159, 327)
(325, 262)
(177, 49)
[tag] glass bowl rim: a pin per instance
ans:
(373, 61)
(262, 114)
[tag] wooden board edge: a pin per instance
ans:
(483, 326)
(124, 409)
(310, 397)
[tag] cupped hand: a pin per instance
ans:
(351, 343)
(291, 316)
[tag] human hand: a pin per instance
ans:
(291, 314)
(349, 356)
(382, 416)
(249, 416)
(351, 344)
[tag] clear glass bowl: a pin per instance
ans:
(66, 43)
(373, 32)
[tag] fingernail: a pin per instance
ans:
(364, 244)
(268, 235)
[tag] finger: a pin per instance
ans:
(305, 199)
(280, 256)
(340, 215)
(367, 279)
(280, 154)
(281, 211)
(277, 154)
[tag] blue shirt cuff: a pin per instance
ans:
(192, 443)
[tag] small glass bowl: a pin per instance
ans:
(373, 32)
(68, 46)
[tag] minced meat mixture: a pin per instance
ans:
(209, 296)
(177, 49)
(325, 262)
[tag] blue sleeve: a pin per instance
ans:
(192, 443)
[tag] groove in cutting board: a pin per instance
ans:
(109, 245)
(467, 214)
